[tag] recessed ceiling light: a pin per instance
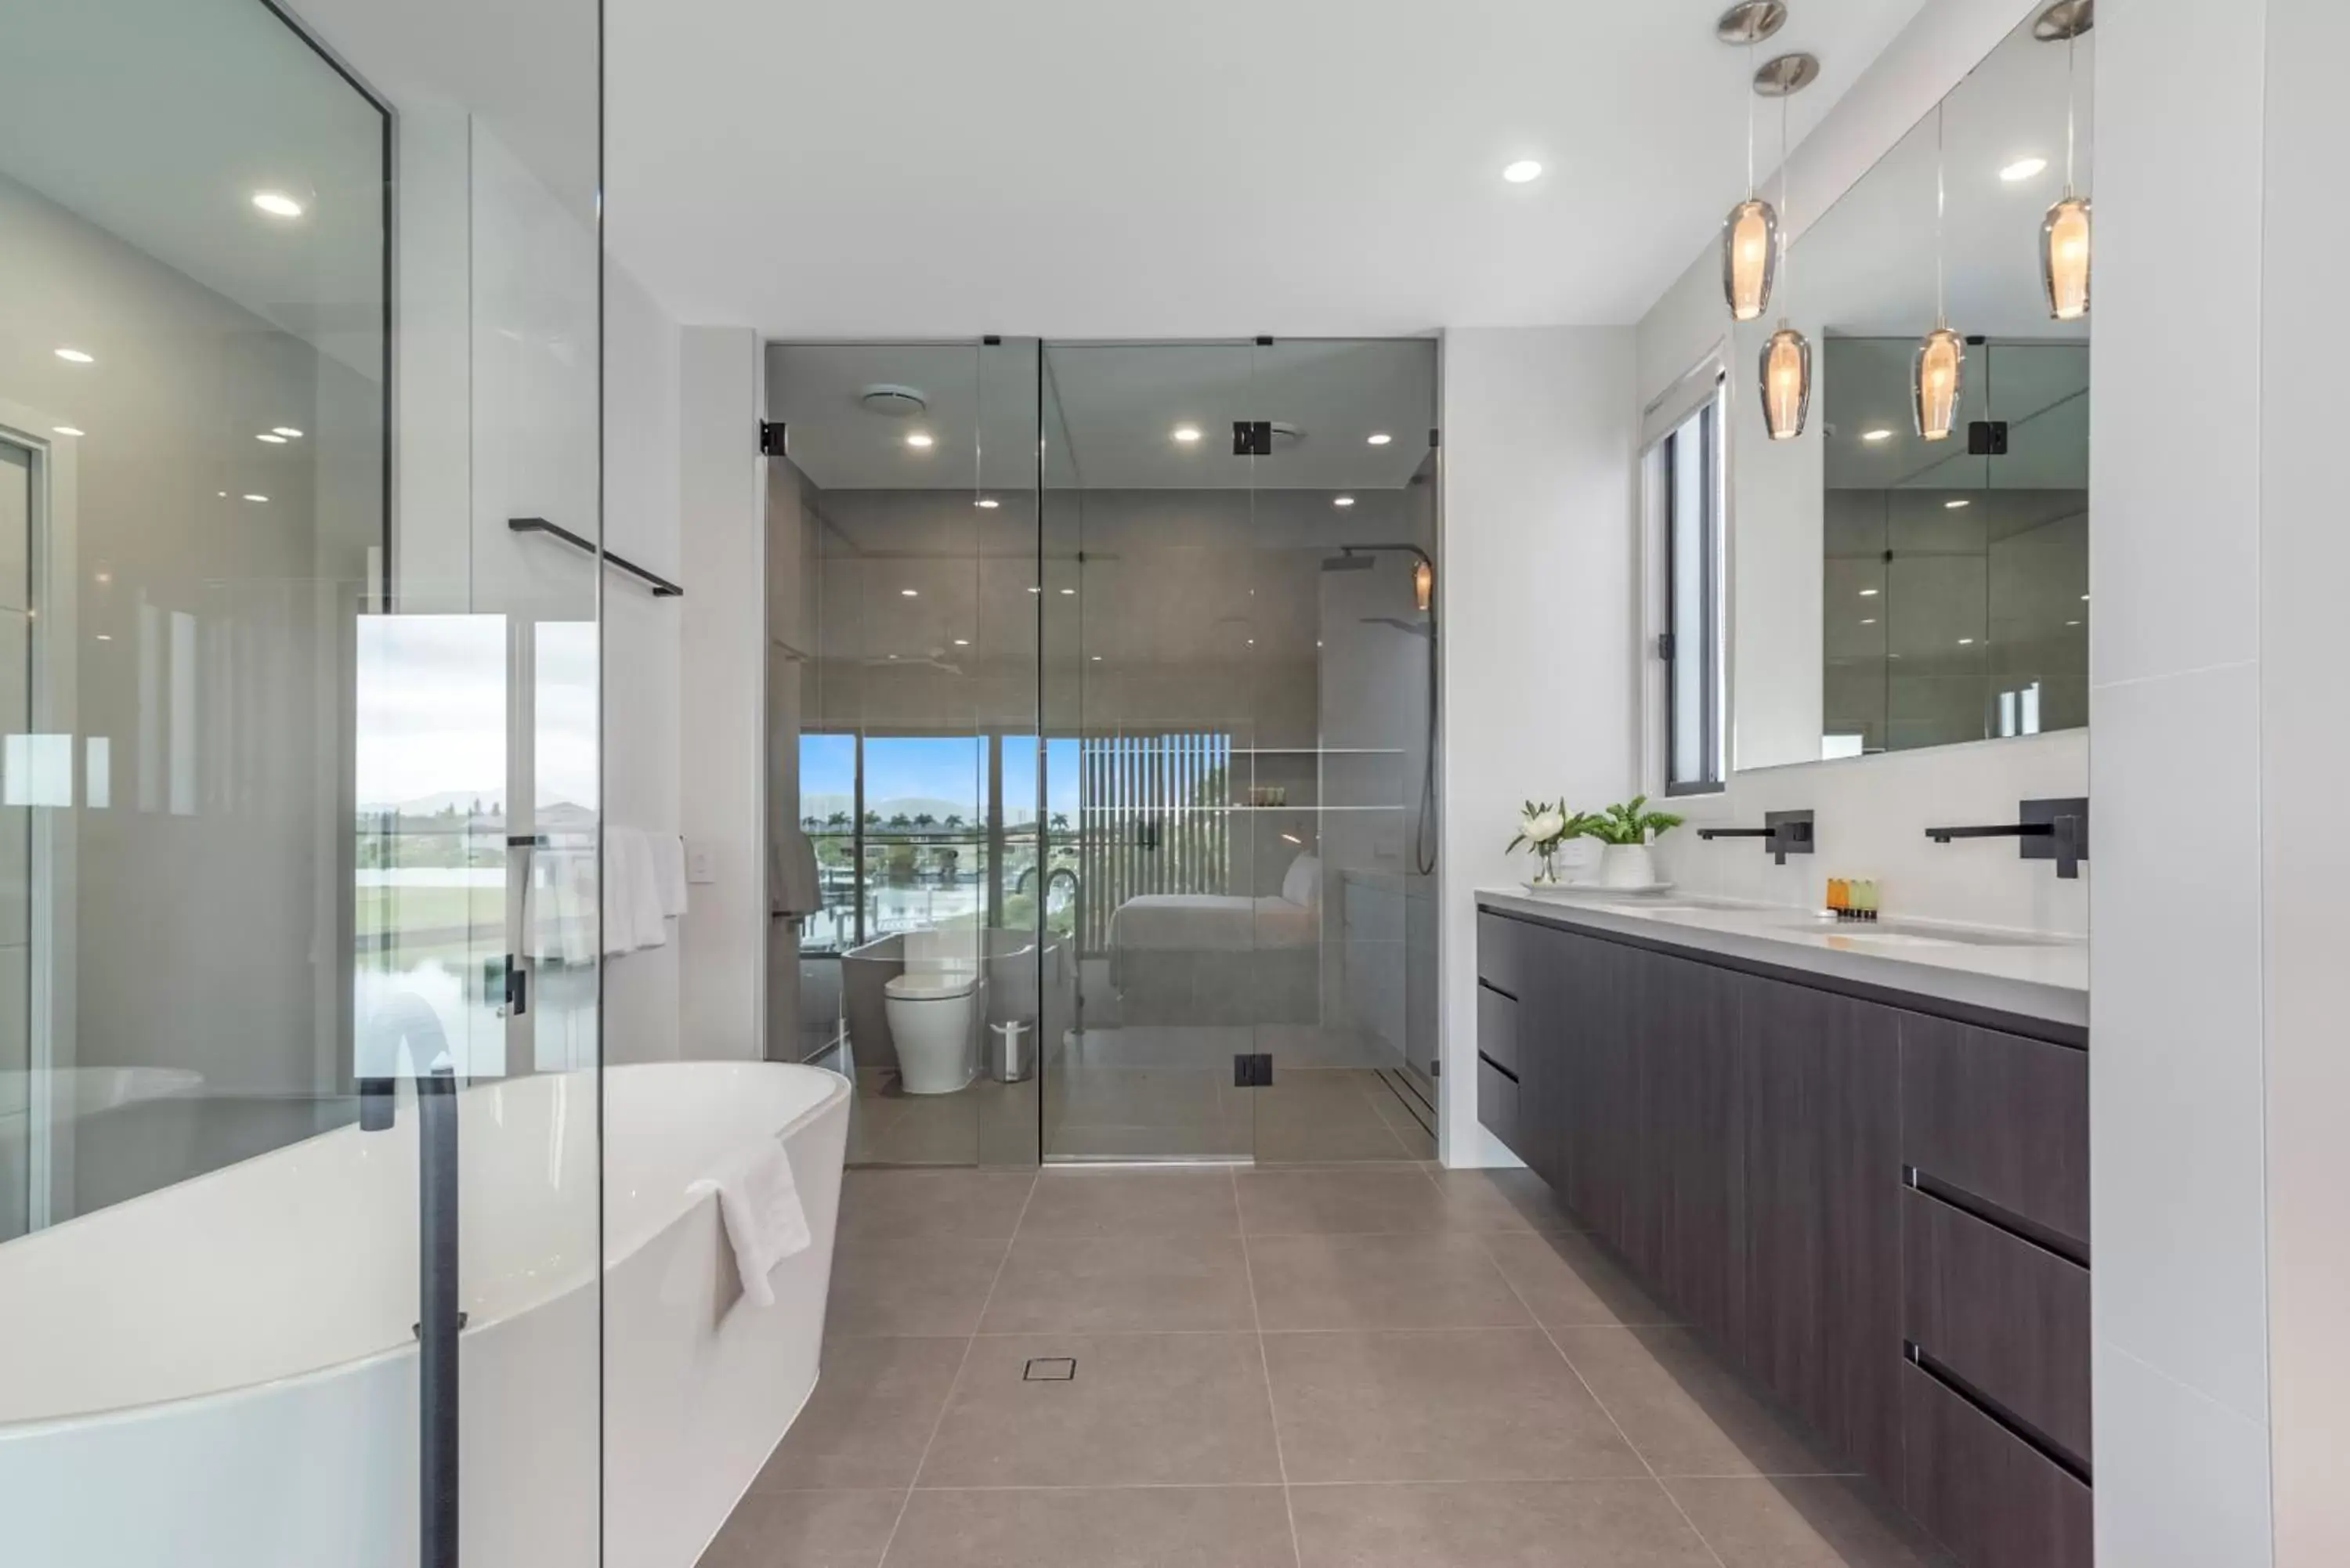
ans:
(288, 431)
(1379, 438)
(1868, 592)
(102, 577)
(963, 642)
(272, 437)
(2085, 599)
(918, 437)
(1068, 593)
(1871, 621)
(987, 502)
(1342, 500)
(1035, 589)
(1097, 659)
(76, 357)
(69, 430)
(277, 203)
(256, 498)
(1966, 642)
(909, 593)
(106, 637)
(1954, 505)
(1187, 433)
(223, 496)
(1879, 434)
(2022, 169)
(1251, 642)
(1524, 170)
(2072, 623)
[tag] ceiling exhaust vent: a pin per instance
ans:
(895, 402)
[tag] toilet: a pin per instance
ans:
(933, 1010)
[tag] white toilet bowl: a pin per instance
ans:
(933, 1012)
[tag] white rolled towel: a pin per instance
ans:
(766, 1223)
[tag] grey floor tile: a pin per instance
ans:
(1367, 1138)
(1430, 1280)
(932, 1285)
(1505, 1524)
(808, 1529)
(1151, 1527)
(1131, 1096)
(1513, 1199)
(1121, 1284)
(1142, 1411)
(1215, 1140)
(1570, 1282)
(1451, 1404)
(1339, 1202)
(975, 1204)
(931, 1129)
(1132, 1203)
(1686, 1411)
(876, 1403)
(1801, 1523)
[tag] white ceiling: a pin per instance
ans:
(1104, 168)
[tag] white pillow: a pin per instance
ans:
(1302, 884)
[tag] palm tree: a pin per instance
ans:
(872, 819)
(899, 821)
(1061, 821)
(838, 819)
(955, 823)
(811, 821)
(926, 821)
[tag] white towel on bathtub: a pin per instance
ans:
(764, 1221)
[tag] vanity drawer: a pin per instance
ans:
(2000, 1118)
(1497, 1028)
(1497, 1103)
(1986, 1494)
(1500, 952)
(2006, 1318)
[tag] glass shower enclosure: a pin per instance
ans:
(1119, 675)
(300, 757)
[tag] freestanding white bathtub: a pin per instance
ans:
(222, 1374)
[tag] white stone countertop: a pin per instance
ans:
(2026, 973)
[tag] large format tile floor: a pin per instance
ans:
(1398, 1367)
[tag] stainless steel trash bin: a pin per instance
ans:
(1009, 1056)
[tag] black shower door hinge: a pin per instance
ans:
(771, 438)
(1251, 438)
(1252, 1072)
(1665, 646)
(1987, 438)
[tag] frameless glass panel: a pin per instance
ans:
(296, 772)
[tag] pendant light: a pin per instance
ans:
(1942, 355)
(1750, 235)
(2064, 231)
(1787, 357)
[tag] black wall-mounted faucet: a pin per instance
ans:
(1783, 833)
(2054, 830)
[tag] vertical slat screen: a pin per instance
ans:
(1154, 817)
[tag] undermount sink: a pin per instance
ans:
(1903, 935)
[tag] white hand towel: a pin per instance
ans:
(632, 907)
(652, 930)
(765, 1221)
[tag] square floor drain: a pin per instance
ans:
(1050, 1369)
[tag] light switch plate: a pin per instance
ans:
(700, 867)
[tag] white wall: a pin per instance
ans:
(643, 636)
(1536, 599)
(723, 956)
(2305, 753)
(2216, 1105)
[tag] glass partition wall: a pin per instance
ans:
(300, 759)
(1114, 753)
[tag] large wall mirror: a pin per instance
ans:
(1895, 592)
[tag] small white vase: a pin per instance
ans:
(1627, 866)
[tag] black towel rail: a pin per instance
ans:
(662, 587)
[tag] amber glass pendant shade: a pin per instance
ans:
(1423, 585)
(1786, 383)
(1750, 257)
(1940, 359)
(2065, 258)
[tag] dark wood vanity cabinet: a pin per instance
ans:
(1882, 1214)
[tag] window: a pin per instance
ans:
(1685, 476)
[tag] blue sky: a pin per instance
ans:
(943, 767)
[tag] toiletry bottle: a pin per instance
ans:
(1838, 897)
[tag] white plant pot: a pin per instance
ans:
(1627, 866)
(1578, 860)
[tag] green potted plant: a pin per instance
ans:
(1627, 830)
(1544, 828)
